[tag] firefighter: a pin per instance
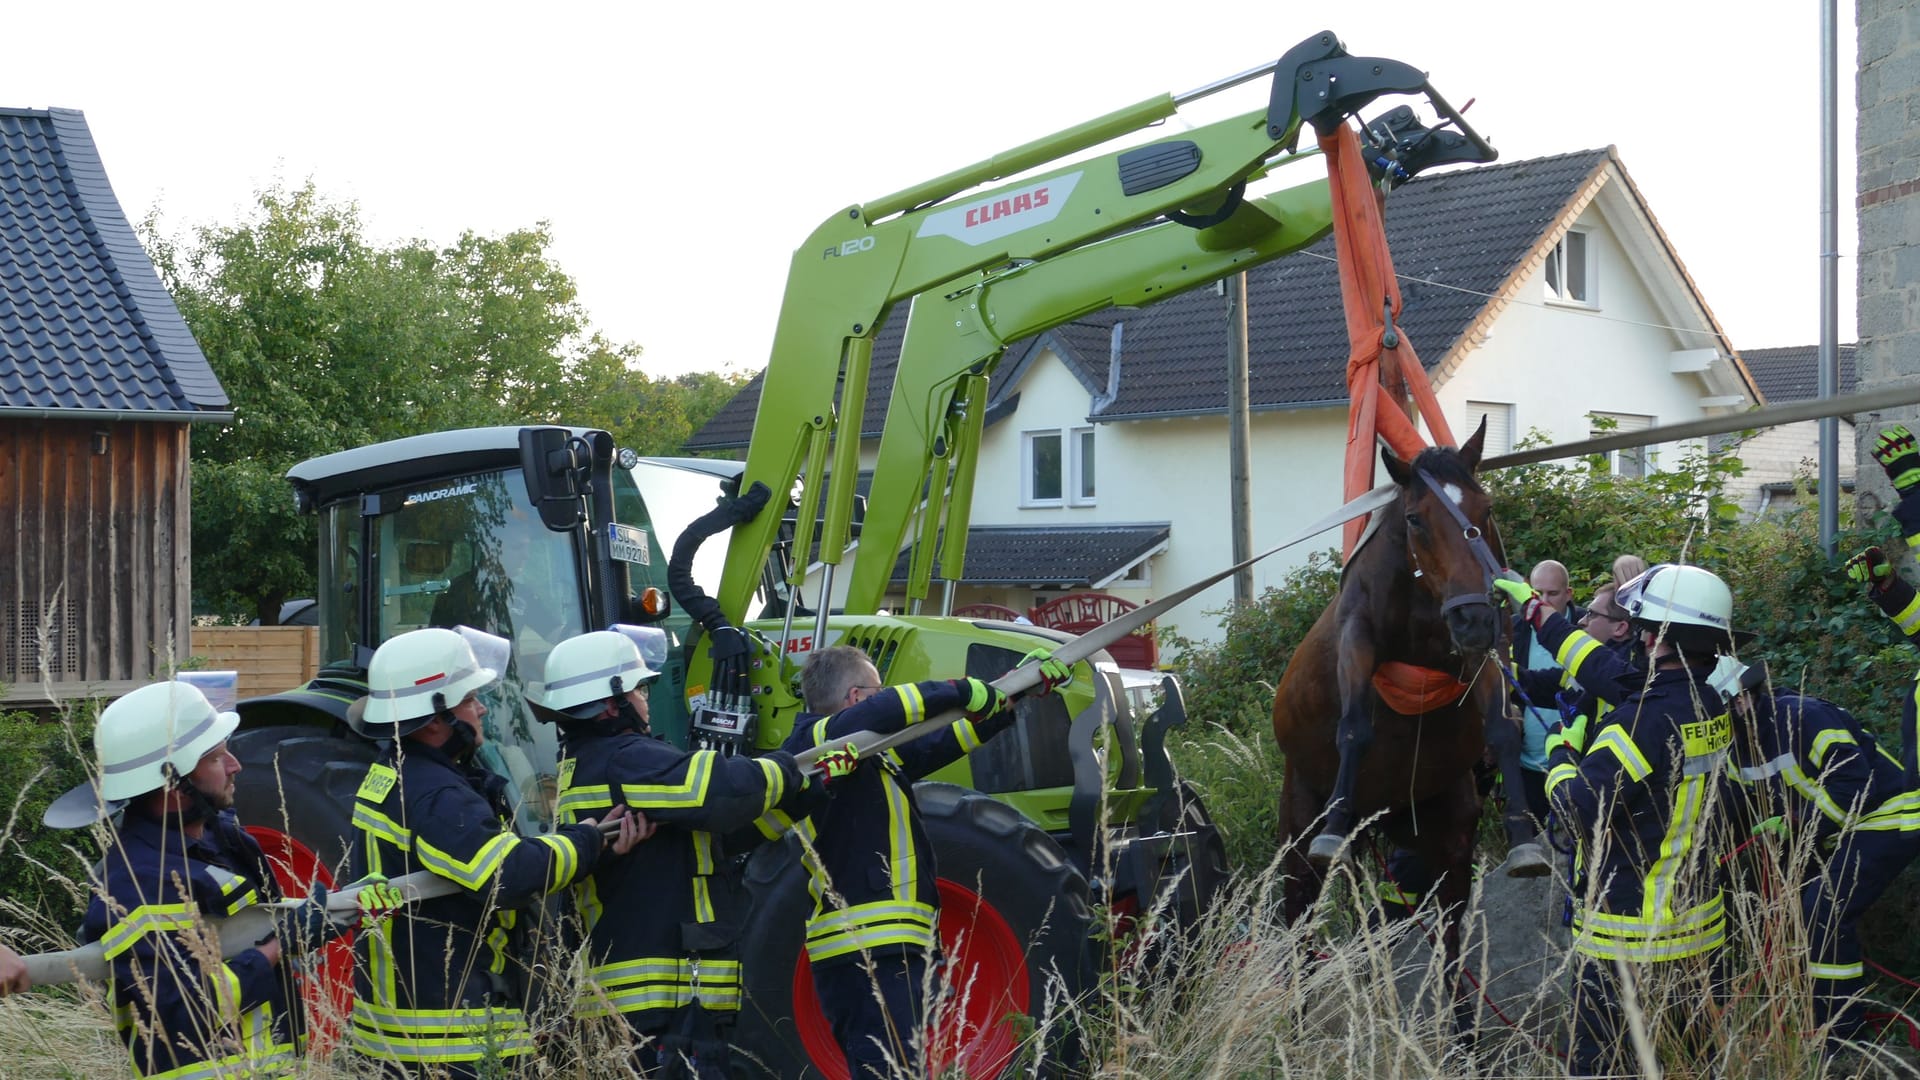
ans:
(1827, 774)
(177, 858)
(674, 975)
(875, 913)
(1896, 451)
(1643, 788)
(433, 986)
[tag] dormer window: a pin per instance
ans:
(1570, 271)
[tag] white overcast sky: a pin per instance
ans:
(682, 150)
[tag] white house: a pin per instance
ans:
(1539, 293)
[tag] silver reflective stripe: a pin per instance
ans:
(603, 674)
(166, 751)
(1755, 773)
(1705, 763)
(429, 686)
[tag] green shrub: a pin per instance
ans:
(44, 870)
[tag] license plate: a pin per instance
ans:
(628, 544)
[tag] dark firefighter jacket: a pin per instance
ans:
(179, 1020)
(662, 919)
(1594, 675)
(870, 845)
(432, 983)
(1653, 784)
(1818, 761)
(1902, 605)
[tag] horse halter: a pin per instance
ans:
(1476, 543)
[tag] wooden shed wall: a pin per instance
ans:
(95, 585)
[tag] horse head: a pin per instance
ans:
(1450, 538)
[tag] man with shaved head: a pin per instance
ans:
(1550, 583)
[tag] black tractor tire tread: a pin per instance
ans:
(301, 781)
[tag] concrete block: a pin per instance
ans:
(1880, 36)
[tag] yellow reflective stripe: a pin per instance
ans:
(1837, 972)
(912, 702)
(820, 730)
(143, 920)
(967, 735)
(703, 862)
(859, 915)
(1616, 740)
(910, 935)
(473, 873)
(900, 865)
(774, 824)
(691, 791)
(564, 865)
(585, 800)
(776, 783)
(1656, 890)
(278, 1060)
(1811, 790)
(1394, 894)
(225, 983)
(1914, 540)
(586, 896)
(870, 925)
(1648, 949)
(1560, 774)
(379, 826)
(429, 1035)
(1909, 618)
(1575, 650)
(1693, 919)
(1826, 741)
(702, 901)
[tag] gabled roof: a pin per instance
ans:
(85, 323)
(1086, 556)
(1471, 229)
(1793, 373)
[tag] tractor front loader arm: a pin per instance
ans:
(859, 263)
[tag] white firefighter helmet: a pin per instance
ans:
(1692, 604)
(584, 671)
(419, 673)
(155, 734)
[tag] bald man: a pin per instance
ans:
(1549, 580)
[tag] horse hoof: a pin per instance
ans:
(1528, 860)
(1325, 850)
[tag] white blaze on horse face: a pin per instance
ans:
(1453, 492)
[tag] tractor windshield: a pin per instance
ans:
(467, 551)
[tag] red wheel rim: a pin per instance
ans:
(973, 1032)
(327, 984)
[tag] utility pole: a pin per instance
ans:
(1239, 446)
(1829, 381)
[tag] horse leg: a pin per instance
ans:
(1454, 857)
(1354, 737)
(1301, 880)
(1525, 855)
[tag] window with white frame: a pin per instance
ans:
(1499, 417)
(1635, 462)
(1042, 459)
(1081, 488)
(1570, 271)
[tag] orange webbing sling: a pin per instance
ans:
(1368, 290)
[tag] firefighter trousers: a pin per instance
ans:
(877, 1016)
(1862, 866)
(1600, 1045)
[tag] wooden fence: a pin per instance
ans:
(269, 658)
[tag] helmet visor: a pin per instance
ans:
(489, 651)
(652, 643)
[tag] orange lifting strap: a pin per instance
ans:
(1369, 290)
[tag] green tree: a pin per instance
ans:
(326, 340)
(657, 416)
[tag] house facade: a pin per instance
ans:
(1782, 462)
(1540, 294)
(100, 382)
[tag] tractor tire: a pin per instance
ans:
(300, 781)
(1014, 921)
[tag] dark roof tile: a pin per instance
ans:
(1072, 556)
(85, 322)
(1793, 373)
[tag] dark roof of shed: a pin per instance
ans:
(1793, 373)
(1070, 555)
(1469, 229)
(85, 323)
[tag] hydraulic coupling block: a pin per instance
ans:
(726, 726)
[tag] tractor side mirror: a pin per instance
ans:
(552, 461)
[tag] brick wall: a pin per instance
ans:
(1888, 146)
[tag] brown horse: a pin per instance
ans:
(1413, 600)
